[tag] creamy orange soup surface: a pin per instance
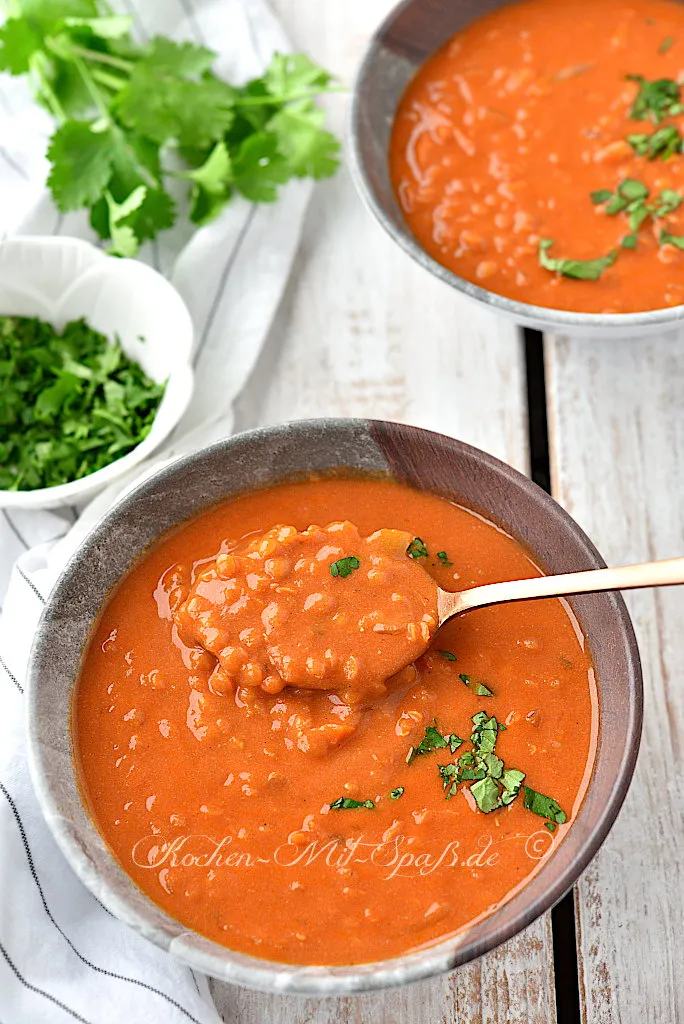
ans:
(264, 768)
(538, 154)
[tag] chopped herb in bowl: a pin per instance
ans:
(72, 402)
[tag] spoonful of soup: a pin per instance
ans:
(328, 609)
(321, 609)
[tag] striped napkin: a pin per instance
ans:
(62, 956)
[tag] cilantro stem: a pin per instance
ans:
(103, 58)
(278, 100)
(109, 81)
(91, 86)
(37, 62)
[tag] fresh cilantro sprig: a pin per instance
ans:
(71, 403)
(131, 117)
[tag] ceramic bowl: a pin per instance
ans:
(191, 485)
(409, 35)
(62, 279)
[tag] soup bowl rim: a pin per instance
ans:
(220, 961)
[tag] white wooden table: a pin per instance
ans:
(363, 331)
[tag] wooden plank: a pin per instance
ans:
(617, 436)
(363, 331)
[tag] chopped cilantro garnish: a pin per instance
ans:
(630, 189)
(551, 825)
(631, 197)
(666, 44)
(344, 566)
(477, 687)
(344, 803)
(494, 785)
(448, 655)
(668, 201)
(71, 402)
(667, 239)
(396, 793)
(486, 793)
(417, 549)
(544, 806)
(433, 740)
(663, 142)
(655, 100)
(511, 780)
(444, 558)
(581, 270)
(601, 196)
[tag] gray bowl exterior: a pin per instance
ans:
(191, 485)
(408, 36)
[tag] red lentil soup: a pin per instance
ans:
(538, 154)
(340, 823)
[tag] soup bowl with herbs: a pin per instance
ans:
(254, 746)
(530, 154)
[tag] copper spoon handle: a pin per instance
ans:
(626, 577)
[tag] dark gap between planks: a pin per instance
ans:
(563, 914)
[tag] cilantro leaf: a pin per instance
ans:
(582, 270)
(486, 793)
(157, 104)
(478, 687)
(396, 793)
(166, 57)
(663, 142)
(544, 806)
(444, 558)
(601, 196)
(310, 150)
(667, 239)
(289, 74)
(433, 740)
(210, 184)
(81, 164)
(344, 803)
(19, 42)
(511, 780)
(125, 242)
(448, 655)
(259, 168)
(344, 567)
(108, 27)
(629, 241)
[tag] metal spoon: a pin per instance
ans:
(626, 577)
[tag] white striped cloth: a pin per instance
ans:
(62, 956)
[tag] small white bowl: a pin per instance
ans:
(62, 279)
